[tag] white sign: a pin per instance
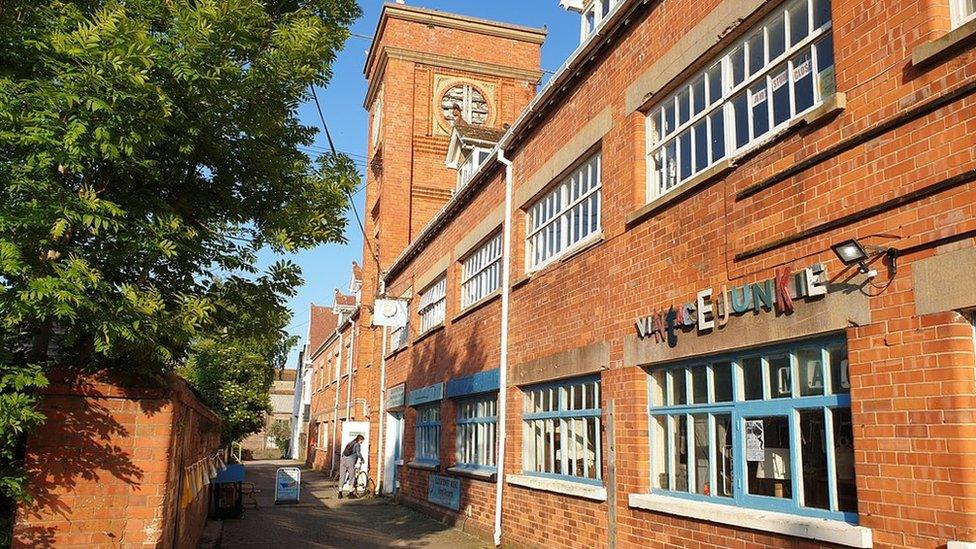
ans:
(755, 440)
(288, 482)
(390, 312)
(349, 431)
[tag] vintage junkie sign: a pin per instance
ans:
(713, 309)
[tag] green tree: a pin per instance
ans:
(146, 145)
(280, 431)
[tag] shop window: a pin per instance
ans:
(963, 11)
(428, 431)
(432, 305)
(783, 68)
(476, 423)
(769, 429)
(481, 272)
(561, 430)
(565, 216)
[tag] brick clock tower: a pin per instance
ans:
(423, 69)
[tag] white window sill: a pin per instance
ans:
(830, 531)
(556, 486)
(563, 256)
(425, 465)
(482, 473)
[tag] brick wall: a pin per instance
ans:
(912, 373)
(105, 469)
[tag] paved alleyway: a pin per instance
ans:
(322, 520)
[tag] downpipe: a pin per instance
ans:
(503, 359)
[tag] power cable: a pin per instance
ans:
(352, 203)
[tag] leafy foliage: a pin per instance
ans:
(280, 431)
(148, 150)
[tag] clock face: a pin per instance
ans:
(389, 309)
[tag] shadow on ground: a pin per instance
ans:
(320, 519)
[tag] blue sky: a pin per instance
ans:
(328, 267)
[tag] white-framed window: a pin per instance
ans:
(767, 428)
(963, 11)
(564, 216)
(481, 271)
(428, 430)
(561, 430)
(399, 337)
(377, 118)
(470, 165)
(594, 14)
(432, 304)
(783, 68)
(323, 436)
(476, 423)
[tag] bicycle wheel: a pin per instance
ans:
(362, 485)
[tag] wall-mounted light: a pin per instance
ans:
(851, 252)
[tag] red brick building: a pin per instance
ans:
(712, 286)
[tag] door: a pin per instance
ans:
(394, 450)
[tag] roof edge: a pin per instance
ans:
(450, 20)
(617, 19)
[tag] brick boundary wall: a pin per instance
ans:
(105, 468)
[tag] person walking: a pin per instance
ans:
(351, 455)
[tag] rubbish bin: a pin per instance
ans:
(228, 500)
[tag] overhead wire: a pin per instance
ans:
(352, 202)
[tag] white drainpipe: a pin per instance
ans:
(349, 355)
(335, 411)
(503, 361)
(381, 442)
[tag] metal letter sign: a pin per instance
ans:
(288, 482)
(390, 312)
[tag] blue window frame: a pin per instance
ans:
(561, 430)
(428, 429)
(476, 423)
(768, 429)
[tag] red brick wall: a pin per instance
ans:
(409, 162)
(913, 376)
(105, 469)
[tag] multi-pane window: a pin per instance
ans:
(432, 304)
(594, 14)
(783, 68)
(398, 337)
(564, 216)
(769, 429)
(428, 430)
(476, 421)
(561, 430)
(473, 104)
(963, 11)
(481, 272)
(470, 165)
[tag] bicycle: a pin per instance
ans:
(363, 486)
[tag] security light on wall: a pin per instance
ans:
(851, 252)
